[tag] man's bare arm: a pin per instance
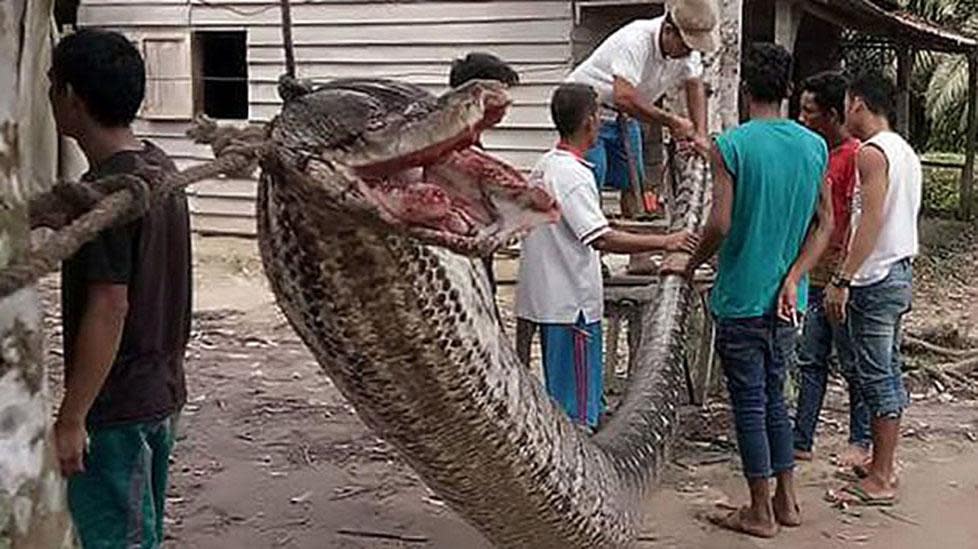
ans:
(627, 99)
(873, 183)
(696, 104)
(817, 239)
(96, 345)
(623, 242)
(721, 211)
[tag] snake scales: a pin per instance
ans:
(392, 302)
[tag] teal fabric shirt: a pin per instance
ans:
(777, 168)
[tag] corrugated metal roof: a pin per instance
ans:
(870, 17)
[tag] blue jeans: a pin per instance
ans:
(755, 354)
(814, 349)
(870, 342)
(607, 155)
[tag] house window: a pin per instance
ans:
(221, 74)
(168, 94)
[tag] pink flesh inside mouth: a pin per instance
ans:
(457, 191)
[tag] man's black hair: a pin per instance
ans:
(876, 90)
(571, 105)
(105, 70)
(828, 90)
(767, 72)
(481, 66)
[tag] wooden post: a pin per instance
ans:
(33, 511)
(966, 200)
(904, 66)
(787, 19)
(723, 73)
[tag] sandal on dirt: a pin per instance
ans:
(855, 495)
(735, 523)
(847, 475)
(859, 472)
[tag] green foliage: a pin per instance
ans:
(942, 79)
(940, 192)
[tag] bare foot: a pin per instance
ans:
(855, 455)
(801, 455)
(787, 513)
(743, 521)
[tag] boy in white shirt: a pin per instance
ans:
(560, 287)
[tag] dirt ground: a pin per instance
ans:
(270, 454)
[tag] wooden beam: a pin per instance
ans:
(787, 19)
(905, 58)
(966, 195)
(722, 73)
(33, 506)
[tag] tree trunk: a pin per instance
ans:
(33, 510)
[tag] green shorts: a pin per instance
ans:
(117, 503)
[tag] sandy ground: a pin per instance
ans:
(272, 456)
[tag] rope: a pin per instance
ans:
(129, 197)
(287, 39)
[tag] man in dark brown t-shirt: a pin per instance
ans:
(151, 257)
(126, 304)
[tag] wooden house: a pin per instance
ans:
(222, 58)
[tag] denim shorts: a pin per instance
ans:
(607, 156)
(869, 344)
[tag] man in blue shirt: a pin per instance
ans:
(771, 219)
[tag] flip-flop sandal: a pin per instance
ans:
(735, 523)
(853, 494)
(847, 475)
(860, 472)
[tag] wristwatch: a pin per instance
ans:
(839, 281)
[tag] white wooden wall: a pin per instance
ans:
(414, 41)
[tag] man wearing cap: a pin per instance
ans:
(631, 70)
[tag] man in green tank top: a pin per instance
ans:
(771, 219)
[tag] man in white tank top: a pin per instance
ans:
(872, 290)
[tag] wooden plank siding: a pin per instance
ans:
(411, 40)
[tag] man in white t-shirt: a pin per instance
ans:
(560, 287)
(872, 289)
(631, 70)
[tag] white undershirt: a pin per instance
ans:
(898, 234)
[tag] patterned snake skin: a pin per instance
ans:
(406, 329)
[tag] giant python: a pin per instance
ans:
(372, 209)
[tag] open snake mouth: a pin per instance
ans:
(412, 163)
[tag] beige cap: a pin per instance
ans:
(697, 23)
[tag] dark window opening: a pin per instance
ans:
(221, 74)
(66, 13)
